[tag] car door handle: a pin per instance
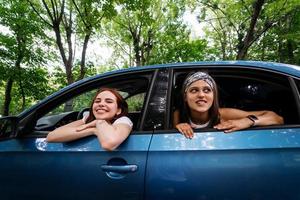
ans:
(119, 168)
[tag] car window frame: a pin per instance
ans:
(156, 115)
(27, 123)
(211, 68)
(295, 85)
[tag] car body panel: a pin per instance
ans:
(30, 168)
(251, 164)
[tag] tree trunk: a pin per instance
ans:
(67, 61)
(83, 55)
(7, 98)
(263, 51)
(22, 94)
(247, 41)
(68, 106)
(136, 48)
(59, 44)
(280, 51)
(290, 51)
(148, 47)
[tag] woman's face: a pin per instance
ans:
(105, 106)
(199, 97)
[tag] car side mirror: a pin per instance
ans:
(8, 127)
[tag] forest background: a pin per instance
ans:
(48, 44)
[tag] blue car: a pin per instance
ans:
(156, 161)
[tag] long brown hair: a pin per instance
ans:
(122, 104)
(213, 111)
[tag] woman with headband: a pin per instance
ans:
(201, 109)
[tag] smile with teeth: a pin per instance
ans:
(101, 110)
(201, 102)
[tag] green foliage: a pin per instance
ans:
(58, 76)
(35, 85)
(228, 23)
(90, 13)
(282, 43)
(21, 54)
(139, 26)
(140, 32)
(135, 103)
(79, 102)
(25, 31)
(173, 45)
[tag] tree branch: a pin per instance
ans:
(48, 12)
(38, 13)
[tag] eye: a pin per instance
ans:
(97, 101)
(193, 90)
(109, 101)
(207, 90)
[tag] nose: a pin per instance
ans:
(101, 104)
(200, 93)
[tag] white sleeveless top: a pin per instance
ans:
(193, 125)
(124, 120)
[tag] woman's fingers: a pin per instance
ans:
(189, 133)
(85, 126)
(186, 130)
(226, 126)
(233, 125)
(80, 128)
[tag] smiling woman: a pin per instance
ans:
(107, 120)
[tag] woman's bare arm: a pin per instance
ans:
(110, 136)
(68, 132)
(234, 119)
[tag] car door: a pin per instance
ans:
(32, 168)
(258, 163)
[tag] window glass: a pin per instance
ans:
(77, 103)
(135, 103)
(247, 90)
(298, 87)
(132, 88)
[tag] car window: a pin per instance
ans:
(297, 82)
(135, 103)
(75, 104)
(247, 90)
(134, 90)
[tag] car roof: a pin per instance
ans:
(292, 70)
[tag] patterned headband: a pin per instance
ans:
(196, 77)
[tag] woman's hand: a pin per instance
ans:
(234, 125)
(186, 130)
(92, 124)
(91, 127)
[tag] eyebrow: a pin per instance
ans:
(104, 99)
(202, 87)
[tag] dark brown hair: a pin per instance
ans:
(122, 104)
